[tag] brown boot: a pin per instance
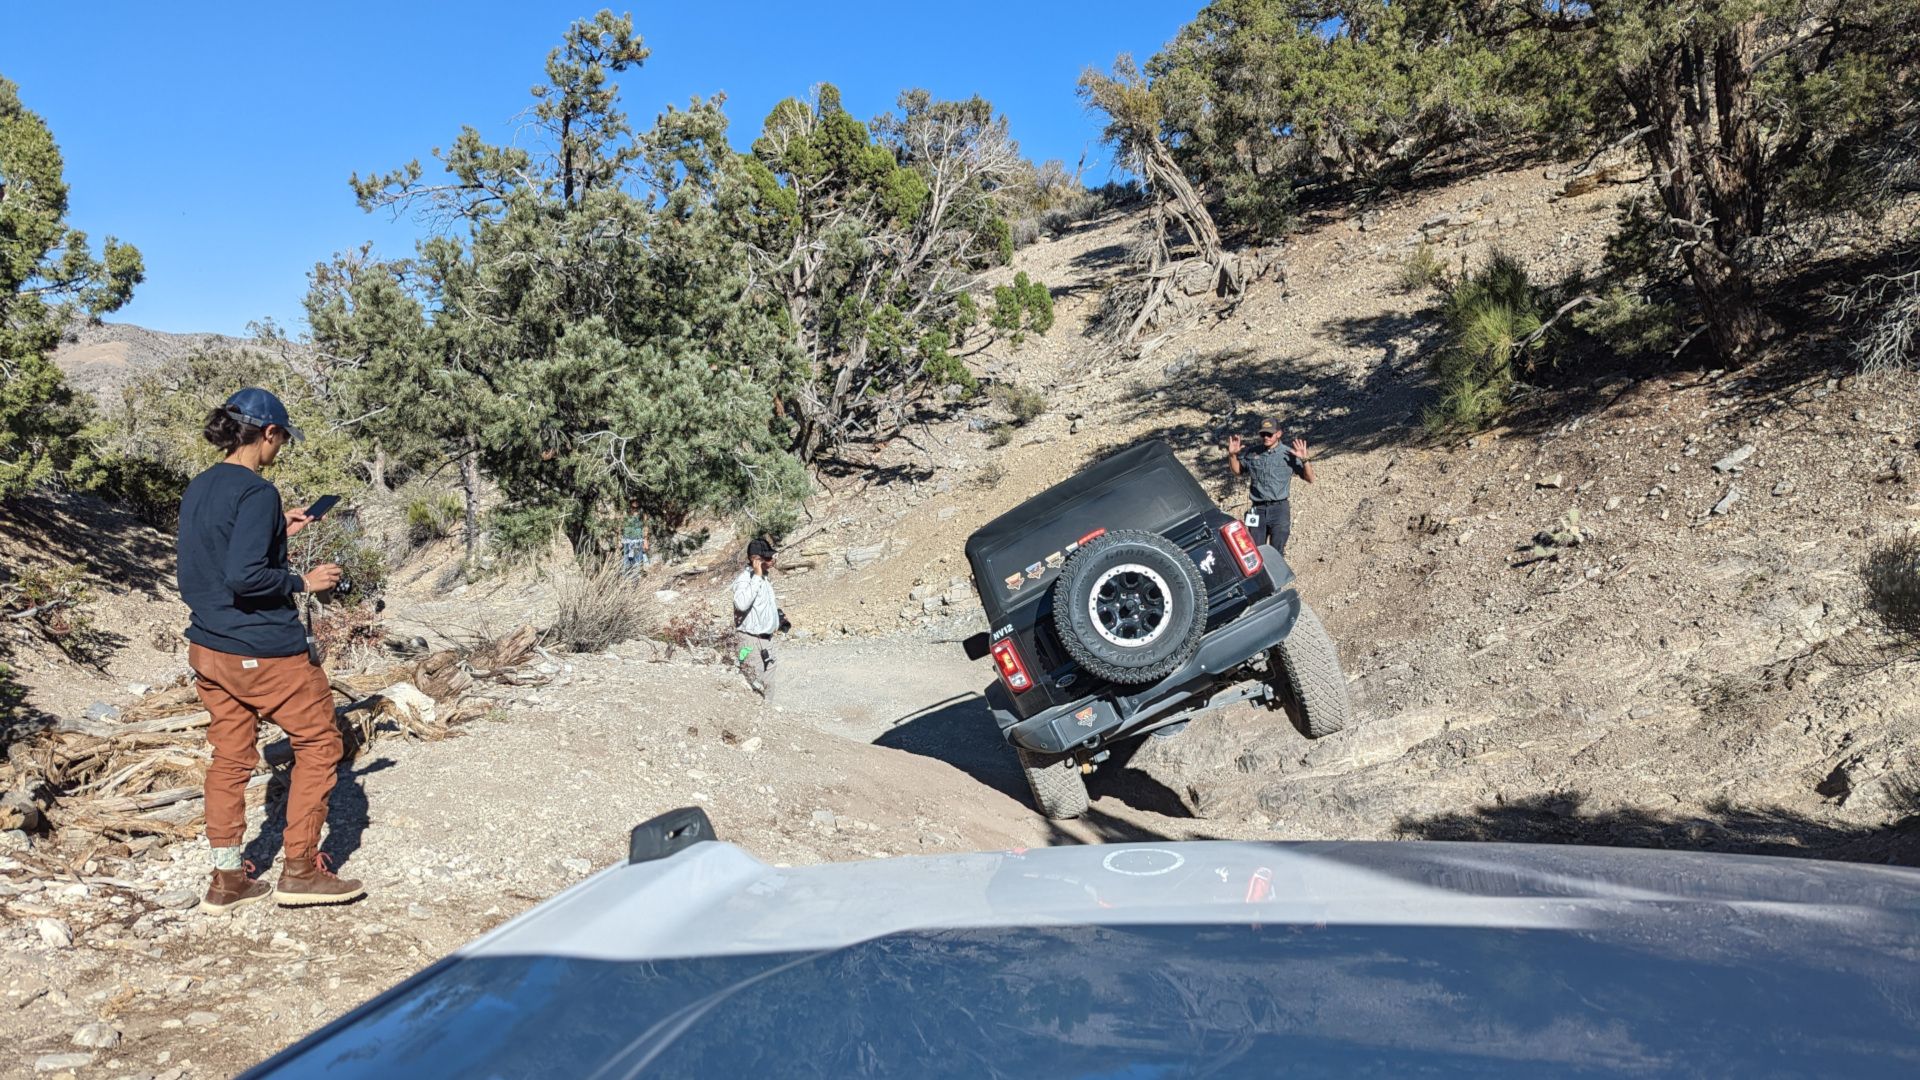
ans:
(308, 882)
(232, 888)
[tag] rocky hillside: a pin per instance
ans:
(1634, 616)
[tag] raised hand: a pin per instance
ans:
(1300, 448)
(1233, 444)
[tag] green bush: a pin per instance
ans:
(433, 517)
(522, 532)
(1024, 307)
(144, 449)
(1490, 318)
(1023, 403)
(999, 435)
(1630, 324)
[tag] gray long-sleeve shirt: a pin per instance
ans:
(233, 565)
(753, 603)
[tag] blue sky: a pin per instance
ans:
(218, 137)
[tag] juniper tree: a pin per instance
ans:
(868, 238)
(48, 275)
(582, 331)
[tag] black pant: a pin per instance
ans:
(1275, 522)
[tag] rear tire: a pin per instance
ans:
(1314, 689)
(1059, 790)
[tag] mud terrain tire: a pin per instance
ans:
(1314, 692)
(1130, 607)
(1059, 791)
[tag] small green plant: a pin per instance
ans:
(1024, 307)
(1422, 269)
(1493, 321)
(433, 517)
(966, 316)
(999, 435)
(1023, 403)
(1630, 324)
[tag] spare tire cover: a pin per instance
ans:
(1130, 607)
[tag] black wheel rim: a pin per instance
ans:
(1130, 606)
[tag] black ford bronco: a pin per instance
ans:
(1122, 601)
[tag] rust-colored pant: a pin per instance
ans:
(292, 692)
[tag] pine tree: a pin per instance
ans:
(48, 275)
(588, 338)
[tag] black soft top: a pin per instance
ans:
(1142, 487)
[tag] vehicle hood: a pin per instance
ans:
(1174, 959)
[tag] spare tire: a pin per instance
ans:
(1130, 607)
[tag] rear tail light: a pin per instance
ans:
(1245, 551)
(1012, 668)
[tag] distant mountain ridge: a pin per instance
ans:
(103, 358)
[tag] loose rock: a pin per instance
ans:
(1731, 463)
(55, 933)
(99, 1036)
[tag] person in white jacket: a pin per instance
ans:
(756, 616)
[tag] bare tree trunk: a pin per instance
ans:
(1696, 103)
(470, 491)
(377, 468)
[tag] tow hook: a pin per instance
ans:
(1088, 766)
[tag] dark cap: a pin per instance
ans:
(1269, 425)
(760, 548)
(259, 408)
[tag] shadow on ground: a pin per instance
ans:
(1724, 828)
(961, 732)
(114, 545)
(347, 811)
(1338, 410)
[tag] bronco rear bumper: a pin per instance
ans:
(1114, 713)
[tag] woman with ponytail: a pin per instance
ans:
(249, 654)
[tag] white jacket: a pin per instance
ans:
(753, 604)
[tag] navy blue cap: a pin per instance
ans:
(259, 408)
(760, 547)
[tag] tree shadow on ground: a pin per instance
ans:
(1109, 257)
(116, 547)
(1336, 409)
(1724, 828)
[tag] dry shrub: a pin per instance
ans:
(601, 607)
(1421, 270)
(696, 632)
(1892, 577)
(1023, 403)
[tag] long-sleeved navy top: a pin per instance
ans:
(233, 565)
